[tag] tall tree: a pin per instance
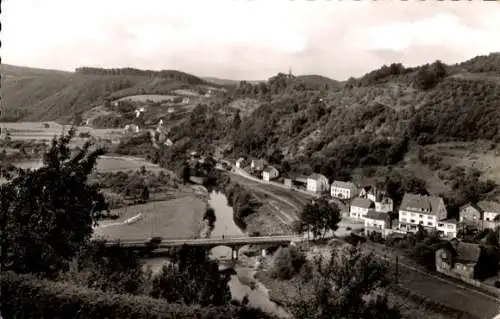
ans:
(319, 217)
(349, 285)
(47, 214)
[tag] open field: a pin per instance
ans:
(122, 163)
(148, 97)
(186, 92)
(37, 131)
(180, 217)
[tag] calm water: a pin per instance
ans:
(224, 225)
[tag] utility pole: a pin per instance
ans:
(397, 268)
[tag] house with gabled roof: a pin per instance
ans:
(360, 207)
(458, 259)
(317, 183)
(376, 222)
(270, 173)
(424, 210)
(343, 190)
(258, 165)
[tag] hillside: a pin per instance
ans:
(365, 127)
(38, 95)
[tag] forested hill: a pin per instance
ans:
(36, 94)
(369, 121)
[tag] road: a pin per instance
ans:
(455, 295)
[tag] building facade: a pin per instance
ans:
(270, 173)
(447, 228)
(421, 210)
(343, 190)
(376, 222)
(360, 207)
(317, 183)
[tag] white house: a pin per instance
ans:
(490, 209)
(185, 100)
(341, 189)
(448, 227)
(270, 173)
(317, 183)
(376, 222)
(132, 128)
(240, 162)
(421, 210)
(384, 204)
(360, 207)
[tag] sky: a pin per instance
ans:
(246, 39)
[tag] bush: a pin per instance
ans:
(26, 297)
(286, 263)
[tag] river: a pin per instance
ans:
(224, 225)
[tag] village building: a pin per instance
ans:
(258, 165)
(240, 162)
(470, 214)
(295, 180)
(377, 222)
(458, 260)
(447, 228)
(317, 183)
(421, 210)
(185, 100)
(384, 204)
(360, 207)
(269, 173)
(343, 190)
(131, 128)
(363, 192)
(490, 210)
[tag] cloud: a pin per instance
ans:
(246, 39)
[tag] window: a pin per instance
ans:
(429, 223)
(440, 225)
(412, 220)
(449, 226)
(421, 222)
(421, 216)
(403, 220)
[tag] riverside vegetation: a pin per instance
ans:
(54, 270)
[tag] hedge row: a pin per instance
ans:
(25, 297)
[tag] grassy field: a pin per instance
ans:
(148, 97)
(122, 163)
(180, 217)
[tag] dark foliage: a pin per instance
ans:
(47, 214)
(242, 201)
(26, 297)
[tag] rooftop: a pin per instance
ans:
(316, 176)
(362, 202)
(270, 169)
(489, 206)
(376, 215)
(342, 184)
(420, 203)
(467, 252)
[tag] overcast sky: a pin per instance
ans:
(246, 39)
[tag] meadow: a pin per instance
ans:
(180, 217)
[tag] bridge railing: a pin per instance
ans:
(176, 239)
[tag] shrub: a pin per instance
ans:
(286, 263)
(26, 297)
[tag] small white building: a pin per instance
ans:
(384, 205)
(185, 100)
(240, 162)
(360, 207)
(317, 183)
(258, 165)
(132, 128)
(270, 173)
(490, 209)
(376, 222)
(344, 190)
(448, 228)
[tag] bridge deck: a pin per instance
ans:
(218, 241)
